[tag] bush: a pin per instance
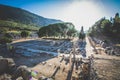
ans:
(24, 34)
(3, 30)
(5, 40)
(7, 35)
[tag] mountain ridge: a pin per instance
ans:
(20, 15)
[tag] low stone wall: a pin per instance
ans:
(7, 66)
(106, 47)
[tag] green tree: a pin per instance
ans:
(106, 26)
(81, 34)
(8, 35)
(24, 34)
(57, 30)
(3, 30)
(5, 38)
(117, 19)
(71, 32)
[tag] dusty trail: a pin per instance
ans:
(62, 70)
(89, 48)
(106, 67)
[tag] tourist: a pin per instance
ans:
(76, 63)
(80, 62)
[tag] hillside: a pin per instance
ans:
(17, 15)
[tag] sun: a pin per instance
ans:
(82, 13)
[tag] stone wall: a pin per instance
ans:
(7, 66)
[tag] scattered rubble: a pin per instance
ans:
(9, 71)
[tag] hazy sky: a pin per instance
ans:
(79, 12)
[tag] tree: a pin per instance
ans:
(24, 34)
(8, 35)
(117, 15)
(117, 19)
(3, 30)
(106, 26)
(5, 38)
(109, 28)
(71, 32)
(81, 34)
(57, 30)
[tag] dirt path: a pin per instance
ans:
(89, 48)
(56, 68)
(106, 67)
(22, 40)
(60, 69)
(50, 69)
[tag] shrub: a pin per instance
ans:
(7, 35)
(24, 34)
(5, 40)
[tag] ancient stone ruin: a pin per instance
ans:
(9, 70)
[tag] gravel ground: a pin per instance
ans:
(106, 67)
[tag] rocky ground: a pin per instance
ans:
(35, 51)
(106, 67)
(40, 56)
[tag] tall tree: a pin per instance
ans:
(82, 34)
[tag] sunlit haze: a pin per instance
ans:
(80, 12)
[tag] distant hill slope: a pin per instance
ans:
(8, 13)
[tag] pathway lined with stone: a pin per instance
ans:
(67, 67)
